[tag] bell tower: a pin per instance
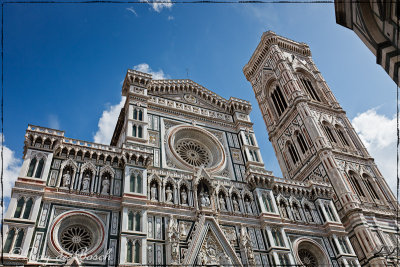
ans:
(314, 140)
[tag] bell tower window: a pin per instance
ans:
(292, 152)
(310, 89)
(279, 100)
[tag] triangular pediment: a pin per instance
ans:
(210, 246)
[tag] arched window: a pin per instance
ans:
(135, 114)
(137, 222)
(137, 252)
(356, 185)
(267, 202)
(284, 212)
(129, 252)
(28, 207)
(328, 133)
(278, 100)
(130, 221)
(343, 245)
(284, 259)
(371, 189)
(278, 239)
(9, 240)
(139, 183)
(296, 212)
(20, 206)
(134, 131)
(18, 242)
(39, 169)
(342, 138)
(310, 89)
(32, 166)
(140, 132)
(132, 183)
(329, 211)
(293, 152)
(301, 142)
(140, 115)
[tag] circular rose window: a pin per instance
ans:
(191, 147)
(76, 238)
(307, 258)
(77, 232)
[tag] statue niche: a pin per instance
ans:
(169, 193)
(67, 177)
(154, 191)
(184, 195)
(105, 183)
(87, 176)
(203, 194)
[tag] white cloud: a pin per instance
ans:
(170, 18)
(107, 123)
(12, 165)
(132, 10)
(157, 75)
(109, 117)
(53, 122)
(378, 133)
(158, 5)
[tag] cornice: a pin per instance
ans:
(268, 39)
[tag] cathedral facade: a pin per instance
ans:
(183, 181)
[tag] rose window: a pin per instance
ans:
(76, 238)
(307, 258)
(191, 146)
(193, 153)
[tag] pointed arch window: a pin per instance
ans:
(20, 206)
(18, 242)
(28, 207)
(39, 168)
(293, 152)
(284, 259)
(32, 166)
(278, 238)
(135, 114)
(310, 89)
(329, 211)
(9, 240)
(134, 130)
(371, 189)
(267, 202)
(342, 138)
(137, 252)
(135, 183)
(328, 133)
(343, 245)
(140, 132)
(130, 221)
(140, 115)
(129, 251)
(137, 222)
(301, 142)
(279, 100)
(356, 185)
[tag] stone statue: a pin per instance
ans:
(183, 230)
(248, 206)
(153, 192)
(86, 183)
(282, 207)
(235, 204)
(207, 199)
(66, 181)
(202, 199)
(106, 186)
(184, 196)
(296, 212)
(222, 203)
(173, 239)
(169, 195)
(246, 244)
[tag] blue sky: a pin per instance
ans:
(64, 63)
